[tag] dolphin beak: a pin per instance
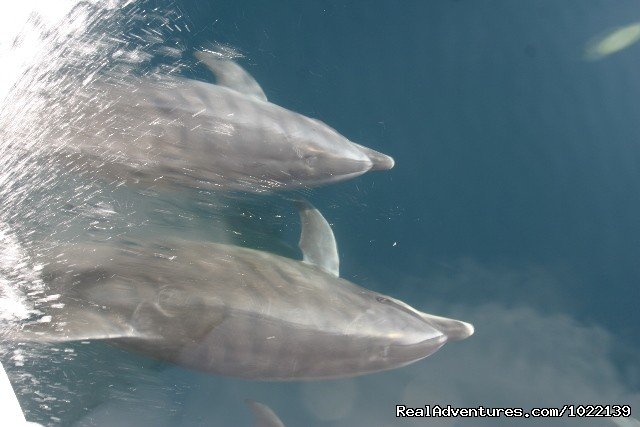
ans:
(455, 330)
(380, 162)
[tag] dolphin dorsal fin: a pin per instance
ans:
(265, 417)
(231, 75)
(317, 241)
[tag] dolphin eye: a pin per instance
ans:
(383, 300)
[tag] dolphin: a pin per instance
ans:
(188, 133)
(232, 310)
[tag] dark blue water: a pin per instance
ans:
(514, 204)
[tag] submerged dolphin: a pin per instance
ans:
(208, 136)
(236, 311)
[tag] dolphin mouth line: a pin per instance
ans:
(342, 177)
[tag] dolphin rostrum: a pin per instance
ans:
(189, 133)
(235, 311)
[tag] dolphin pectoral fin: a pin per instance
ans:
(317, 242)
(75, 324)
(264, 416)
(231, 75)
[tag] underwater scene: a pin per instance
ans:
(320, 213)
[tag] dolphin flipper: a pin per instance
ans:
(265, 417)
(317, 242)
(231, 75)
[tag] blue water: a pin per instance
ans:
(514, 205)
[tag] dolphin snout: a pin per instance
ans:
(458, 330)
(455, 330)
(379, 161)
(346, 163)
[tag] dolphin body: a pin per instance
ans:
(224, 136)
(235, 311)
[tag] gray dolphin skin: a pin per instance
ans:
(224, 136)
(235, 311)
